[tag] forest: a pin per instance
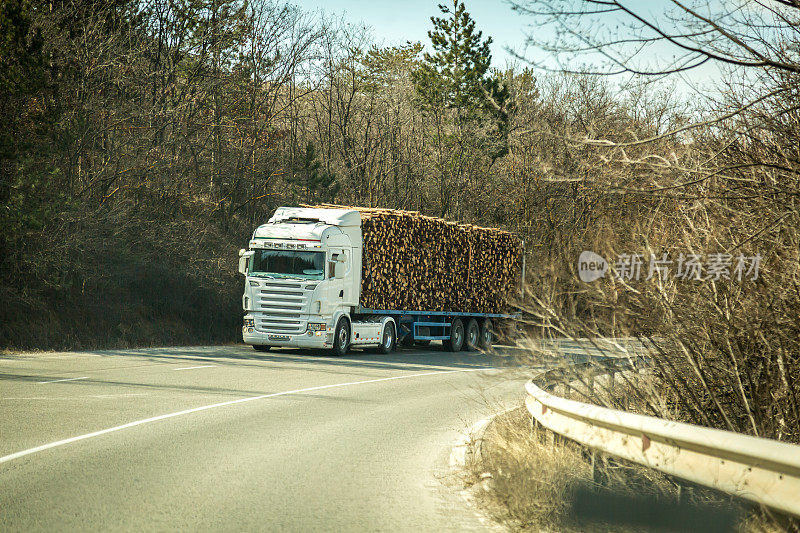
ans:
(141, 141)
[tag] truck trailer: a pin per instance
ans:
(308, 274)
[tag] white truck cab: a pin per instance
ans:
(303, 280)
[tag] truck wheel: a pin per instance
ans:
(341, 339)
(473, 336)
(487, 335)
(456, 340)
(261, 347)
(389, 340)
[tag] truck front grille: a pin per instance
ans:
(287, 324)
(280, 307)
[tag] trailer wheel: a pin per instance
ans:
(487, 334)
(389, 339)
(473, 337)
(341, 338)
(261, 347)
(456, 340)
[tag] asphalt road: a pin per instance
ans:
(225, 438)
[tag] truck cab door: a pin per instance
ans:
(335, 273)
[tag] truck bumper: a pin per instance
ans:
(252, 336)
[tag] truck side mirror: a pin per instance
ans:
(244, 258)
(339, 264)
(339, 269)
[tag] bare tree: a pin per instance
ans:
(725, 181)
(665, 38)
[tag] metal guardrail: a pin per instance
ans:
(761, 470)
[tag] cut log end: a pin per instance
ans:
(417, 262)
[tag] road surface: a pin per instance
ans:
(225, 438)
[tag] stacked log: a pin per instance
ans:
(416, 262)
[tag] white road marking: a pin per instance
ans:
(377, 364)
(60, 380)
(193, 367)
(70, 440)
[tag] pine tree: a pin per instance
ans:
(457, 76)
(315, 183)
(458, 66)
(27, 115)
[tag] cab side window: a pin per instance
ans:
(332, 265)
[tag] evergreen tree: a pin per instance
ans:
(458, 66)
(497, 101)
(315, 183)
(457, 76)
(26, 118)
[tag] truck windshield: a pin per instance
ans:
(288, 264)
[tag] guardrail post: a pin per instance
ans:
(684, 493)
(599, 474)
(597, 479)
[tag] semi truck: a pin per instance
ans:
(303, 280)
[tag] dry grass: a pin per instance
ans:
(526, 479)
(529, 479)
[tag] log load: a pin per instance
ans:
(416, 262)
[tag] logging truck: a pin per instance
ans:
(303, 288)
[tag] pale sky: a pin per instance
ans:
(395, 22)
(409, 20)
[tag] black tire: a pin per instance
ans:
(261, 347)
(487, 335)
(389, 339)
(456, 340)
(341, 338)
(423, 343)
(472, 336)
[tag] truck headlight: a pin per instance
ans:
(249, 322)
(317, 328)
